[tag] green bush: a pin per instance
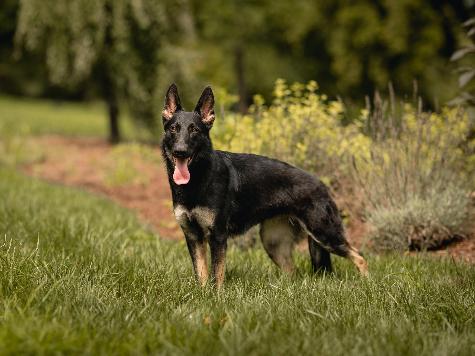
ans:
(416, 178)
(411, 169)
(300, 126)
(421, 224)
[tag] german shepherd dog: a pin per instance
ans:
(217, 195)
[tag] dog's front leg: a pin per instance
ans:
(218, 248)
(197, 249)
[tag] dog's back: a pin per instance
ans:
(261, 188)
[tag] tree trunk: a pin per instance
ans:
(109, 93)
(109, 87)
(239, 67)
(113, 109)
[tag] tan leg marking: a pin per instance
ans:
(201, 263)
(218, 259)
(219, 274)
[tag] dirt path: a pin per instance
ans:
(137, 180)
(93, 165)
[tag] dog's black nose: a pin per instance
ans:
(180, 153)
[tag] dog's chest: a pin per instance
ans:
(198, 216)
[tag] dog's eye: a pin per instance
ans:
(194, 129)
(173, 129)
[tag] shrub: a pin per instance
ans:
(421, 224)
(410, 169)
(416, 177)
(300, 126)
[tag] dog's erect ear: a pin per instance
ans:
(172, 103)
(205, 107)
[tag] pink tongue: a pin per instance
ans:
(181, 175)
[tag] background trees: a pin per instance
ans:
(349, 47)
(128, 51)
(111, 45)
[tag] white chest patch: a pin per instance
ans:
(204, 217)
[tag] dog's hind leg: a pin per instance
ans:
(348, 251)
(278, 236)
(323, 225)
(320, 257)
(337, 244)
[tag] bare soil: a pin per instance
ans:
(86, 163)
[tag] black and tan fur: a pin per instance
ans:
(228, 193)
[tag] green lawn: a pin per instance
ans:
(80, 275)
(38, 116)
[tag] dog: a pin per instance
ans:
(218, 195)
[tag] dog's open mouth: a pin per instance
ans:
(181, 174)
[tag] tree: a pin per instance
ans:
(350, 47)
(17, 77)
(111, 44)
(228, 35)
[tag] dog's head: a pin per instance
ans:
(186, 139)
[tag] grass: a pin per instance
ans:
(78, 275)
(38, 117)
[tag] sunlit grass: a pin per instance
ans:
(80, 275)
(39, 116)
